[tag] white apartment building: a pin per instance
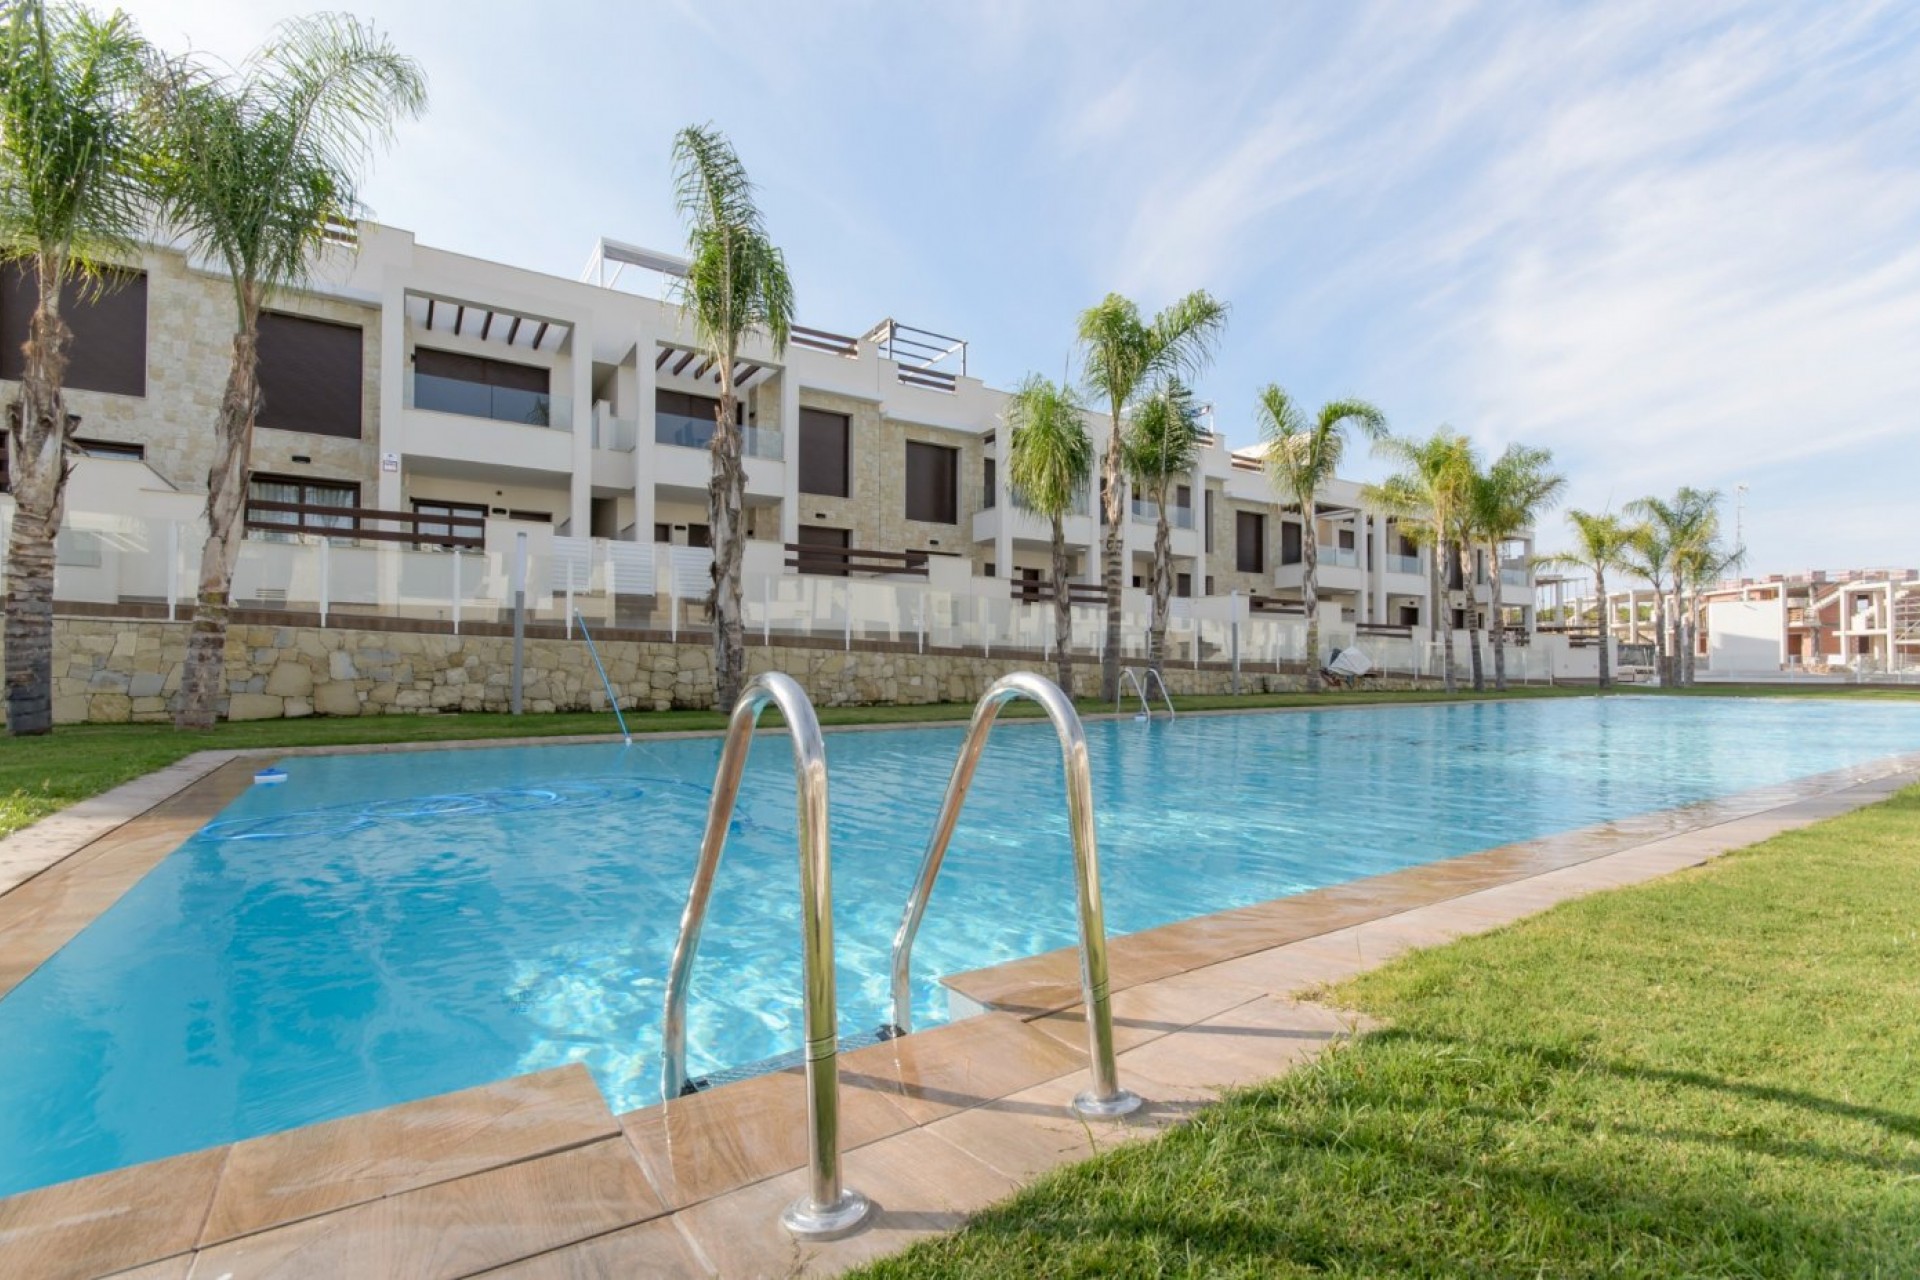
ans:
(431, 400)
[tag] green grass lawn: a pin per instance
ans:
(1714, 1075)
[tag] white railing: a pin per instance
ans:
(120, 560)
(1148, 512)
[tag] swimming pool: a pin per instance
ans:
(387, 927)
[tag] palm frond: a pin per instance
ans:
(259, 162)
(73, 164)
(1049, 452)
(737, 280)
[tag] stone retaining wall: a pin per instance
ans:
(110, 671)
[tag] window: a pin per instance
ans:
(310, 375)
(823, 452)
(989, 571)
(1409, 615)
(109, 347)
(989, 490)
(113, 449)
(933, 483)
(699, 535)
(1290, 535)
(814, 535)
(448, 382)
(1209, 576)
(1345, 538)
(1183, 585)
(663, 533)
(430, 530)
(1209, 506)
(688, 420)
(301, 493)
(1250, 541)
(1183, 497)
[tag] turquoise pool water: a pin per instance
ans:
(383, 928)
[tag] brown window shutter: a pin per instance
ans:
(108, 351)
(310, 375)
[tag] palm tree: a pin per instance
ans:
(1429, 497)
(736, 283)
(1646, 556)
(1601, 543)
(1049, 459)
(1126, 358)
(1704, 563)
(1508, 497)
(1162, 443)
(1683, 527)
(71, 196)
(1301, 458)
(259, 163)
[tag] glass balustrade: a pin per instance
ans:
(439, 394)
(686, 431)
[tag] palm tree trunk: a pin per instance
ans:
(1606, 632)
(1673, 624)
(36, 452)
(1110, 565)
(1062, 608)
(1498, 626)
(1310, 597)
(1437, 606)
(1162, 583)
(1476, 618)
(202, 683)
(726, 507)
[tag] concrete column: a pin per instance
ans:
(646, 383)
(1377, 583)
(1003, 504)
(580, 505)
(790, 456)
(390, 429)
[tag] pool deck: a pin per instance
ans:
(536, 1177)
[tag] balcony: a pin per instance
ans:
(686, 432)
(437, 394)
(1146, 512)
(1393, 562)
(620, 435)
(1339, 557)
(466, 422)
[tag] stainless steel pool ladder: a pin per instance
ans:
(1106, 1099)
(1140, 685)
(827, 1209)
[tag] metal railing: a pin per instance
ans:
(1106, 1099)
(1132, 675)
(827, 1209)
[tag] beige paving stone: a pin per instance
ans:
(658, 1248)
(300, 1173)
(709, 1143)
(111, 1221)
(453, 1228)
(1244, 1046)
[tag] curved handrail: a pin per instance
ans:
(1131, 675)
(1154, 677)
(828, 1209)
(1106, 1098)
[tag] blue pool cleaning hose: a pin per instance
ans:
(594, 649)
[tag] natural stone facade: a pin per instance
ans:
(110, 671)
(190, 317)
(876, 512)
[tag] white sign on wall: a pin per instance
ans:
(389, 462)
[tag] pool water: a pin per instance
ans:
(381, 928)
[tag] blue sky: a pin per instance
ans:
(1677, 244)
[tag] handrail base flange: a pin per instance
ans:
(806, 1221)
(1091, 1106)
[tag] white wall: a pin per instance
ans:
(1745, 635)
